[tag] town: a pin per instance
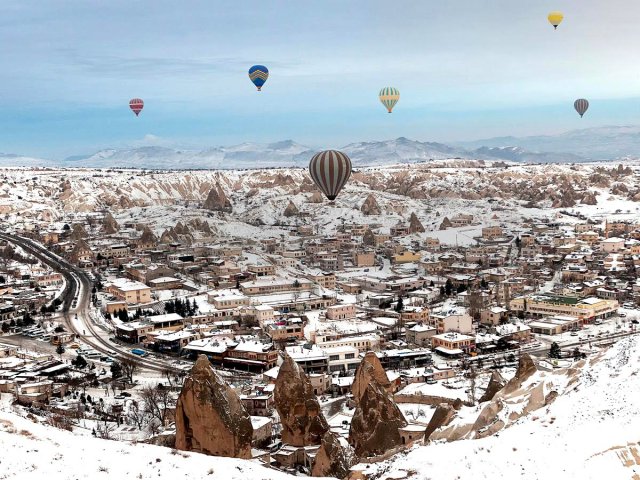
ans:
(102, 323)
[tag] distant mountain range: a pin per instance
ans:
(603, 143)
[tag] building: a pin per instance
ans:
(453, 343)
(342, 358)
(492, 233)
(262, 270)
(269, 285)
(586, 309)
(420, 335)
(311, 358)
(324, 279)
(341, 312)
(406, 257)
(555, 325)
(287, 330)
(453, 321)
(494, 316)
(133, 332)
(132, 292)
(228, 301)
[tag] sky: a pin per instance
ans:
(466, 69)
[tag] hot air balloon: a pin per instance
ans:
(330, 170)
(136, 104)
(258, 75)
(389, 96)
(555, 18)
(581, 105)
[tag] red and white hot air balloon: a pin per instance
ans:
(330, 171)
(136, 105)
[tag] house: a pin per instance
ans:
(262, 270)
(132, 292)
(452, 343)
(228, 301)
(405, 256)
(545, 305)
(494, 316)
(453, 320)
(492, 233)
(133, 332)
(341, 312)
(420, 335)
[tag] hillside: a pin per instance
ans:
(589, 432)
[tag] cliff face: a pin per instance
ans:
(210, 417)
(302, 420)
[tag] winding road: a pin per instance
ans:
(78, 286)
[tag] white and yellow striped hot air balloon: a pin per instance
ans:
(389, 96)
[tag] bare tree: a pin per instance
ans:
(137, 415)
(129, 368)
(157, 401)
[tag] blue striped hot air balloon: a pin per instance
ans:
(258, 75)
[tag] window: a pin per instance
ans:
(334, 358)
(349, 356)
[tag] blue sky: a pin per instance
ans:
(466, 69)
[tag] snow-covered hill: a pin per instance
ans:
(590, 432)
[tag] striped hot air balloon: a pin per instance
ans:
(136, 104)
(389, 96)
(258, 74)
(581, 105)
(330, 170)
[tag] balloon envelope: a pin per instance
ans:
(581, 105)
(136, 104)
(389, 96)
(330, 170)
(258, 74)
(555, 18)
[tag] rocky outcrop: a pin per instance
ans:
(210, 417)
(370, 370)
(370, 206)
(147, 237)
(316, 197)
(446, 223)
(217, 200)
(109, 224)
(78, 232)
(496, 383)
(368, 238)
(526, 368)
(302, 420)
(589, 198)
(291, 210)
(415, 226)
(442, 416)
(335, 457)
(375, 423)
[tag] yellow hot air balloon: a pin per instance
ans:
(555, 18)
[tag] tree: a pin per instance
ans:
(79, 362)
(60, 349)
(400, 305)
(576, 354)
(59, 329)
(442, 291)
(156, 402)
(431, 284)
(66, 227)
(448, 287)
(554, 351)
(5, 327)
(129, 368)
(116, 370)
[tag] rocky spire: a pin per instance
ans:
(217, 200)
(291, 210)
(110, 225)
(369, 370)
(210, 417)
(335, 457)
(302, 420)
(415, 226)
(370, 206)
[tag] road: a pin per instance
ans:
(79, 286)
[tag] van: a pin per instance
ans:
(93, 354)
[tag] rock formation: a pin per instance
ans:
(369, 370)
(370, 206)
(316, 197)
(496, 383)
(78, 232)
(335, 457)
(446, 223)
(375, 423)
(442, 416)
(526, 368)
(415, 226)
(147, 237)
(217, 200)
(302, 420)
(368, 238)
(110, 225)
(291, 210)
(210, 417)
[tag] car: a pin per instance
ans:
(622, 315)
(74, 346)
(125, 394)
(574, 334)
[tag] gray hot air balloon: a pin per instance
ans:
(581, 105)
(330, 170)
